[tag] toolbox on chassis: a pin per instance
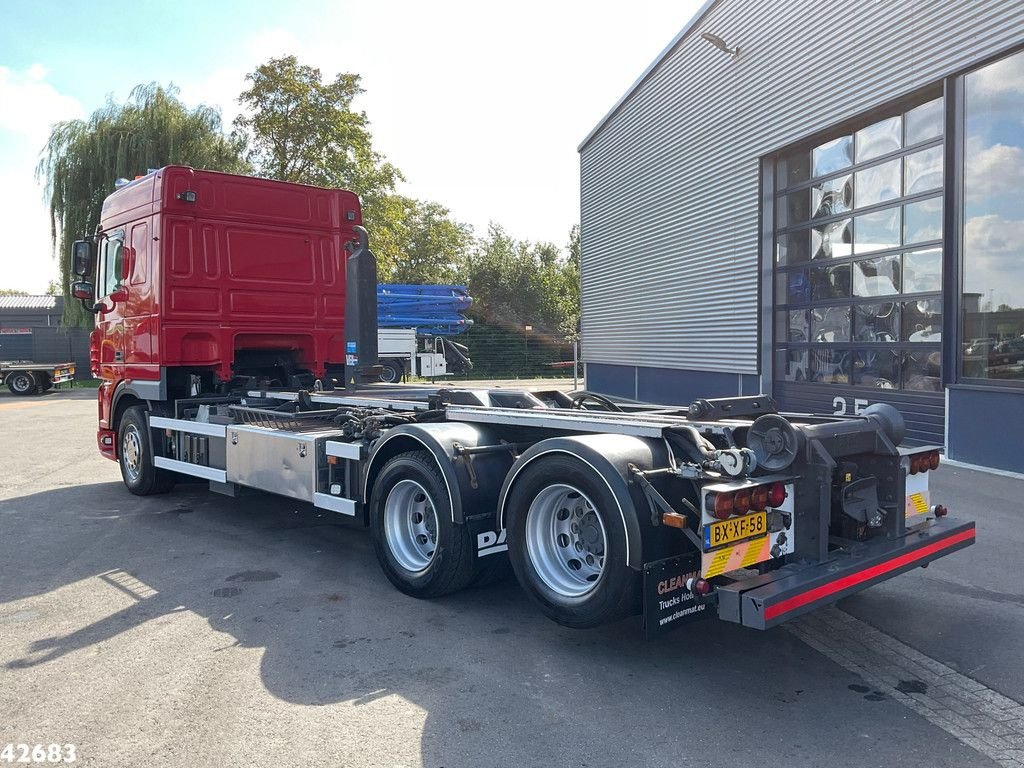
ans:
(726, 508)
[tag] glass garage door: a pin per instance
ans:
(858, 271)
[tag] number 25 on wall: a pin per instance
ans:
(839, 405)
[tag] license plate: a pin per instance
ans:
(735, 529)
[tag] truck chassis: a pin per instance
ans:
(603, 509)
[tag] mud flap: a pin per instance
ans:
(667, 602)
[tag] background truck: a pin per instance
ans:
(416, 323)
(24, 377)
(221, 301)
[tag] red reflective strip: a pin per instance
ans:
(853, 579)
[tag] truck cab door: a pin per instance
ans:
(110, 286)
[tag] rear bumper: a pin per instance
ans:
(772, 598)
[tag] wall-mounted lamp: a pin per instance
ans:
(720, 44)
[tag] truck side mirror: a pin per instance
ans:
(83, 256)
(119, 295)
(82, 290)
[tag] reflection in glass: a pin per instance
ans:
(922, 371)
(922, 171)
(876, 323)
(877, 231)
(993, 298)
(792, 287)
(879, 368)
(922, 321)
(924, 122)
(922, 221)
(829, 324)
(830, 366)
(830, 282)
(792, 363)
(791, 248)
(876, 277)
(922, 271)
(831, 241)
(878, 183)
(833, 156)
(832, 197)
(878, 139)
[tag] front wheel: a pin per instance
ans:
(421, 550)
(135, 455)
(567, 544)
(391, 371)
(22, 383)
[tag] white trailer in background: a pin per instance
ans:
(401, 352)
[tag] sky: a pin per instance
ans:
(481, 105)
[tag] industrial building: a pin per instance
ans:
(823, 202)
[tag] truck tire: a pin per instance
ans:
(46, 384)
(135, 456)
(422, 552)
(567, 543)
(391, 371)
(22, 383)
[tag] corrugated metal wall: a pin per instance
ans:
(669, 184)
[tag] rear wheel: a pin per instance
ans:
(135, 455)
(567, 544)
(422, 552)
(46, 384)
(391, 371)
(22, 383)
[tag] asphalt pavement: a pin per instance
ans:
(194, 629)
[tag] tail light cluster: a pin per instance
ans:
(922, 462)
(757, 499)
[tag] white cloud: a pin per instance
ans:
(995, 170)
(994, 258)
(32, 106)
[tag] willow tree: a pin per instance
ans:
(82, 158)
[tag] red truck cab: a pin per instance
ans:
(202, 277)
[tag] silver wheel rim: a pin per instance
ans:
(410, 525)
(131, 452)
(21, 383)
(565, 540)
(388, 375)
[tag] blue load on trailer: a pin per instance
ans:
(433, 310)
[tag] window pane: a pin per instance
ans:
(879, 139)
(924, 122)
(794, 168)
(922, 221)
(876, 277)
(792, 287)
(791, 327)
(830, 282)
(878, 183)
(831, 241)
(879, 368)
(832, 197)
(877, 231)
(922, 321)
(830, 324)
(993, 299)
(791, 364)
(793, 208)
(831, 366)
(791, 248)
(876, 323)
(922, 271)
(923, 171)
(922, 371)
(833, 156)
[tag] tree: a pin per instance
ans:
(303, 129)
(430, 246)
(82, 158)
